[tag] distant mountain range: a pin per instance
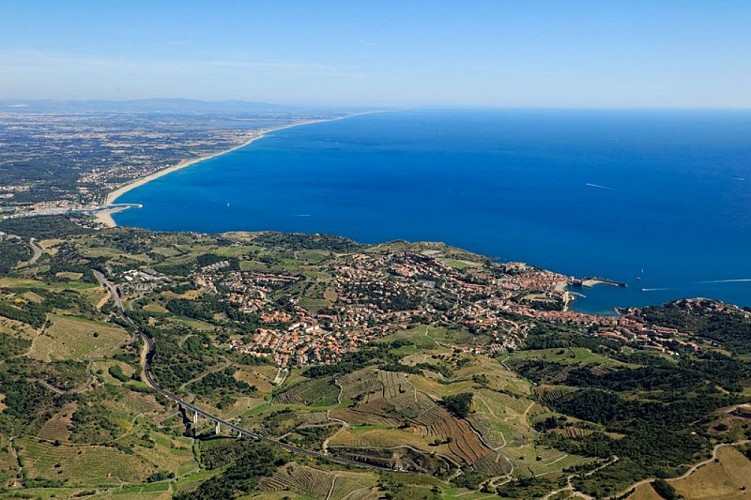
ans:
(160, 106)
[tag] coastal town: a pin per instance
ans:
(371, 296)
(62, 162)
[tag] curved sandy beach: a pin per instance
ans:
(105, 216)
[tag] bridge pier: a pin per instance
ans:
(195, 417)
(218, 429)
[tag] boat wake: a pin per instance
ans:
(598, 186)
(733, 280)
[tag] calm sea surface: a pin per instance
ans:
(658, 199)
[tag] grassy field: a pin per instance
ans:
(645, 492)
(78, 339)
(574, 355)
(367, 437)
(728, 478)
(8, 463)
(259, 376)
(57, 427)
(459, 264)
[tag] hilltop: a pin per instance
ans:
(401, 370)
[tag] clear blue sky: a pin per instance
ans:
(554, 53)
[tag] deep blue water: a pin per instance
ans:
(605, 193)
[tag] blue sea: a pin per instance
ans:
(658, 199)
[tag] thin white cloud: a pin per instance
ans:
(21, 60)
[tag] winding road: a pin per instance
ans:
(689, 471)
(149, 342)
(36, 253)
(112, 289)
(146, 359)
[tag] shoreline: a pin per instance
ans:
(105, 216)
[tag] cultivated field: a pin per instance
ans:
(85, 464)
(76, 338)
(322, 484)
(319, 392)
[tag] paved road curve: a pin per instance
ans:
(146, 366)
(215, 419)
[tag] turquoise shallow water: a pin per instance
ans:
(605, 193)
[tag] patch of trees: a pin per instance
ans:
(250, 360)
(160, 476)
(350, 361)
(129, 240)
(664, 489)
(470, 479)
(249, 464)
(529, 487)
(182, 269)
(458, 404)
(205, 307)
(554, 336)
(189, 309)
(87, 275)
(311, 437)
(367, 355)
(177, 359)
(400, 368)
(93, 421)
(11, 254)
(657, 406)
(35, 313)
(30, 313)
(42, 227)
(207, 259)
(550, 423)
(223, 384)
(12, 346)
(117, 373)
(730, 328)
(440, 368)
(306, 242)
(657, 440)
(24, 400)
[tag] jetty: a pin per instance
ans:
(591, 281)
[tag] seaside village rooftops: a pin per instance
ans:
(378, 295)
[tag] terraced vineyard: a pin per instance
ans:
(311, 392)
(322, 484)
(424, 410)
(81, 464)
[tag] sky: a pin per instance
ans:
(499, 53)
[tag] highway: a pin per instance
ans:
(218, 420)
(112, 289)
(146, 366)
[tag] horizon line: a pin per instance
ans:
(10, 101)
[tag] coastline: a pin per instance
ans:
(105, 216)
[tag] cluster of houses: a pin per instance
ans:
(379, 294)
(141, 281)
